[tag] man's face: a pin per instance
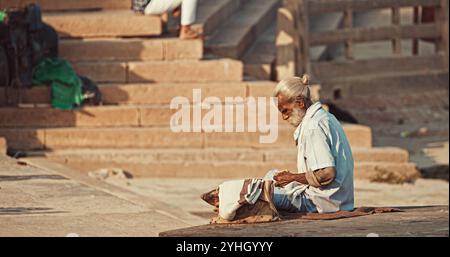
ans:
(292, 112)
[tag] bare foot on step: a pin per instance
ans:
(187, 33)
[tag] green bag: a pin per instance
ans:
(2, 16)
(66, 85)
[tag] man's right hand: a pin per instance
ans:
(285, 177)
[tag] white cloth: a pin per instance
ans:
(188, 9)
(230, 196)
(322, 143)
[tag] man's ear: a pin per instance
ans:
(301, 103)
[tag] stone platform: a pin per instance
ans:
(414, 221)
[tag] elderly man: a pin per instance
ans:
(324, 181)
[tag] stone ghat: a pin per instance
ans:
(414, 221)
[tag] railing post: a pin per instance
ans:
(302, 24)
(415, 41)
(442, 19)
(348, 24)
(286, 42)
(396, 42)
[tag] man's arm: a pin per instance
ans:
(321, 177)
(317, 178)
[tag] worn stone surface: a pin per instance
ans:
(111, 49)
(114, 49)
(23, 138)
(212, 14)
(423, 192)
(210, 163)
(110, 23)
(106, 116)
(259, 61)
(118, 137)
(103, 71)
(238, 34)
(114, 133)
(389, 172)
(415, 221)
(185, 71)
(59, 5)
(360, 154)
(42, 202)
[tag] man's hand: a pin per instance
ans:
(283, 178)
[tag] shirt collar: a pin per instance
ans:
(309, 113)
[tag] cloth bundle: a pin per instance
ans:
(246, 201)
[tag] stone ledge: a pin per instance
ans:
(414, 221)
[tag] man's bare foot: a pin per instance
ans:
(211, 197)
(187, 33)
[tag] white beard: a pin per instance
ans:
(295, 118)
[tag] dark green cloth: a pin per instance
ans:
(66, 85)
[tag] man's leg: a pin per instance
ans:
(285, 202)
(188, 16)
(157, 7)
(280, 198)
(188, 12)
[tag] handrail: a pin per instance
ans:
(348, 35)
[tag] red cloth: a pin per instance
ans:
(361, 211)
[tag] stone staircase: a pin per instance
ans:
(140, 67)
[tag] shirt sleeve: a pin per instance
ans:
(318, 151)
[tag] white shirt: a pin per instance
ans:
(322, 143)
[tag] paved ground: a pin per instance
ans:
(42, 202)
(38, 202)
(423, 192)
(54, 201)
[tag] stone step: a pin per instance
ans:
(129, 137)
(161, 137)
(63, 5)
(109, 23)
(387, 82)
(226, 168)
(121, 116)
(360, 154)
(162, 71)
(259, 60)
(154, 93)
(387, 172)
(233, 38)
(413, 107)
(213, 13)
(136, 49)
(287, 155)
